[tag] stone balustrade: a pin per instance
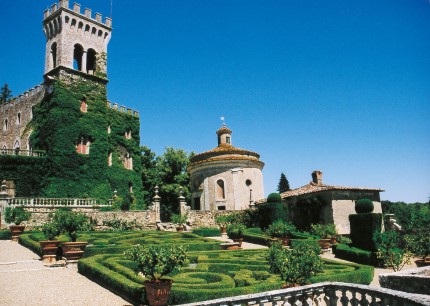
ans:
(18, 152)
(55, 202)
(327, 293)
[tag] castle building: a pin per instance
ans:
(63, 138)
(226, 177)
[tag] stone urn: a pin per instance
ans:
(49, 250)
(324, 243)
(74, 250)
(16, 230)
(158, 291)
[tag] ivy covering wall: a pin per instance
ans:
(58, 126)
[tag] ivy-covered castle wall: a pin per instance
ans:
(61, 125)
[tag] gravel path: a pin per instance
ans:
(24, 280)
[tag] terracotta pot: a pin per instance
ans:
(286, 241)
(239, 240)
(333, 240)
(74, 250)
(223, 230)
(324, 243)
(158, 292)
(49, 247)
(422, 263)
(230, 246)
(16, 230)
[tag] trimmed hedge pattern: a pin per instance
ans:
(353, 254)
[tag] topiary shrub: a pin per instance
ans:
(270, 212)
(274, 197)
(364, 206)
(363, 226)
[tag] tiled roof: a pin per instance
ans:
(224, 150)
(314, 188)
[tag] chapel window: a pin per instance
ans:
(220, 192)
(18, 119)
(5, 125)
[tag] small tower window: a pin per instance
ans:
(128, 134)
(248, 183)
(18, 119)
(227, 140)
(130, 187)
(5, 125)
(108, 130)
(220, 191)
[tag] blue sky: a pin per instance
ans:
(338, 86)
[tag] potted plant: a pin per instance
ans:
(70, 222)
(235, 232)
(50, 247)
(16, 215)
(222, 221)
(179, 220)
(282, 230)
(154, 262)
(326, 232)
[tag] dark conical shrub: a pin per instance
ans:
(274, 197)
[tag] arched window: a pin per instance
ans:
(54, 54)
(128, 161)
(110, 159)
(84, 106)
(72, 26)
(80, 26)
(18, 119)
(5, 125)
(220, 191)
(16, 145)
(130, 187)
(77, 57)
(91, 61)
(83, 146)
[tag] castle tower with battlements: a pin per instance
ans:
(63, 138)
(75, 40)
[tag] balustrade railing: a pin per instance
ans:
(18, 152)
(56, 202)
(329, 294)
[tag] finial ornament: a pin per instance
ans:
(181, 191)
(156, 190)
(3, 186)
(223, 121)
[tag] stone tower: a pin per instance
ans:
(75, 42)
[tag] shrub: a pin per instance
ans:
(179, 219)
(389, 252)
(419, 242)
(70, 222)
(296, 266)
(362, 228)
(274, 197)
(16, 215)
(364, 206)
(235, 230)
(120, 225)
(207, 231)
(356, 255)
(51, 230)
(157, 261)
(280, 229)
(270, 212)
(324, 231)
(222, 220)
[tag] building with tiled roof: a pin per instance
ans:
(317, 202)
(226, 177)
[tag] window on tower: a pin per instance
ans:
(77, 57)
(91, 61)
(54, 54)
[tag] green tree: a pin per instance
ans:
(283, 184)
(5, 94)
(171, 176)
(149, 174)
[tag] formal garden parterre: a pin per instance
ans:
(210, 273)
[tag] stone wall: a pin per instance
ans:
(145, 219)
(18, 114)
(412, 281)
(200, 218)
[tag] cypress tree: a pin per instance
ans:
(283, 185)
